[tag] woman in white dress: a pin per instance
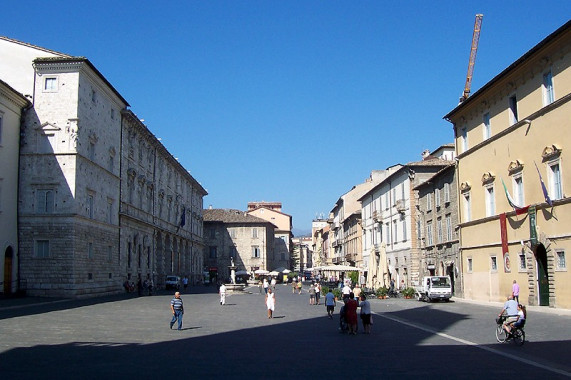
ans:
(270, 302)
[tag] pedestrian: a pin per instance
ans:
(266, 285)
(299, 286)
(346, 290)
(351, 313)
(317, 292)
(185, 282)
(293, 285)
(139, 287)
(515, 291)
(365, 314)
(357, 291)
(330, 303)
(273, 283)
(270, 303)
(177, 309)
(311, 294)
(222, 292)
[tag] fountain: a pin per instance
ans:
(233, 286)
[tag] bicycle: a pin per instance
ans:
(516, 334)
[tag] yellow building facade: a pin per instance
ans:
(512, 138)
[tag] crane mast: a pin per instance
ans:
(473, 50)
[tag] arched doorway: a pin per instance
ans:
(542, 274)
(8, 258)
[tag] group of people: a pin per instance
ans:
(348, 321)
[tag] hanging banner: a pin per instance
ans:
(532, 226)
(504, 233)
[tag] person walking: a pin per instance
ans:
(365, 314)
(317, 292)
(273, 283)
(351, 313)
(330, 303)
(177, 309)
(299, 285)
(185, 282)
(266, 285)
(311, 294)
(270, 303)
(357, 291)
(222, 292)
(515, 291)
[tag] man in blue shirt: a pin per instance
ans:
(510, 311)
(330, 303)
(177, 310)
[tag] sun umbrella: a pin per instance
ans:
(286, 271)
(274, 273)
(261, 271)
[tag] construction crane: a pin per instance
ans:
(473, 50)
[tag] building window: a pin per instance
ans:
(548, 94)
(490, 201)
(233, 251)
(42, 248)
(513, 109)
(522, 263)
(255, 251)
(494, 263)
(469, 265)
(447, 192)
(518, 190)
(110, 211)
(561, 263)
(109, 253)
(395, 231)
(429, 233)
(464, 135)
(213, 252)
(439, 226)
(487, 126)
(91, 151)
(212, 233)
(45, 201)
(428, 201)
(255, 233)
(90, 206)
(404, 237)
(467, 207)
(388, 233)
(129, 254)
(90, 250)
(386, 201)
(437, 198)
(50, 84)
(448, 228)
(418, 230)
(555, 181)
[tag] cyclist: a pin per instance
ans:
(510, 311)
(521, 315)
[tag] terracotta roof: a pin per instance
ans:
(231, 216)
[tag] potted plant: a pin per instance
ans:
(408, 292)
(382, 292)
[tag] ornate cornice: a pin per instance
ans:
(465, 186)
(488, 178)
(515, 166)
(550, 152)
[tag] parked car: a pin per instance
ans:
(172, 282)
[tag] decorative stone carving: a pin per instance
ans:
(465, 186)
(488, 178)
(550, 152)
(515, 166)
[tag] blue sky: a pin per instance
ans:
(290, 101)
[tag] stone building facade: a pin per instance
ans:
(238, 236)
(437, 221)
(88, 206)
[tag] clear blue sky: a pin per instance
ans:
(291, 101)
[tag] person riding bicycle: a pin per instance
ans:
(510, 311)
(521, 315)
